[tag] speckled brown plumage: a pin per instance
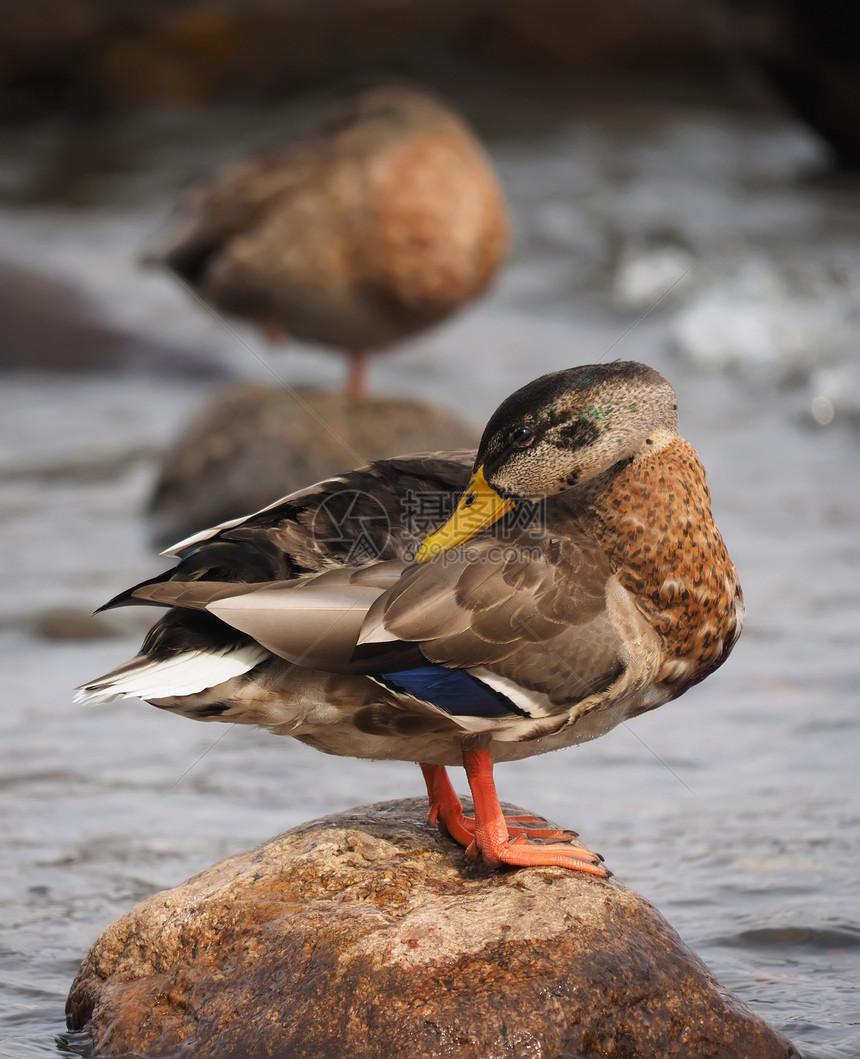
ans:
(382, 222)
(655, 524)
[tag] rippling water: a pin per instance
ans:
(736, 810)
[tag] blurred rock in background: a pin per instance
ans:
(253, 444)
(73, 336)
(191, 52)
(49, 323)
(97, 54)
(809, 50)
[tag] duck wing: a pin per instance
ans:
(247, 571)
(211, 214)
(529, 618)
(528, 629)
(351, 520)
(351, 523)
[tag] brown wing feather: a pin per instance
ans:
(536, 616)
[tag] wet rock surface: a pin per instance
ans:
(368, 934)
(254, 444)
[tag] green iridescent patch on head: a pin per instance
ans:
(596, 413)
(553, 417)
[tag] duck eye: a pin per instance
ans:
(522, 438)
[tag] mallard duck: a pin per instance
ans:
(382, 222)
(577, 579)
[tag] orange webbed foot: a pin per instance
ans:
(537, 827)
(520, 851)
(518, 841)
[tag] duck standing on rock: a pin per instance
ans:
(578, 580)
(384, 221)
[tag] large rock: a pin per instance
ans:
(254, 444)
(368, 934)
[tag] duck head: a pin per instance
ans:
(556, 433)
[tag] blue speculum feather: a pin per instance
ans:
(453, 690)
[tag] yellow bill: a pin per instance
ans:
(479, 507)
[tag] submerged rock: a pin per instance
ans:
(49, 323)
(369, 934)
(254, 444)
(73, 623)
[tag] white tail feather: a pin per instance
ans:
(184, 674)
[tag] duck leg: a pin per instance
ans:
(446, 808)
(493, 840)
(274, 332)
(356, 383)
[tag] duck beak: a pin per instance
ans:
(479, 507)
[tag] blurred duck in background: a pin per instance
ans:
(384, 221)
